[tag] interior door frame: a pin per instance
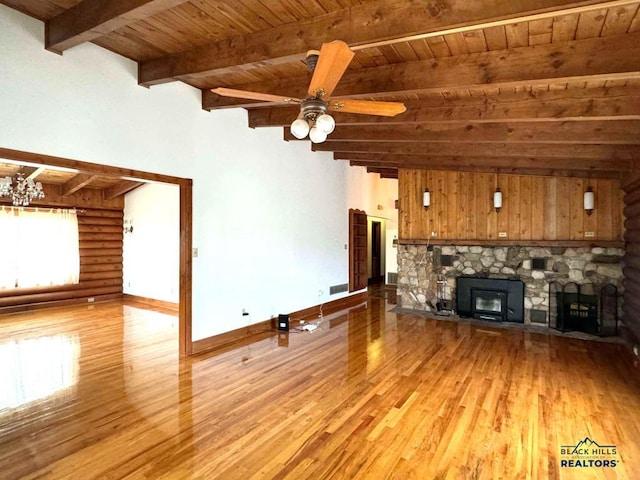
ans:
(186, 222)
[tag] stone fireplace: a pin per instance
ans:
(421, 266)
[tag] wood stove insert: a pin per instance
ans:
(489, 304)
(497, 299)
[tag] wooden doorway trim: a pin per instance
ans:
(186, 222)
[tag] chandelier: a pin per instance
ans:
(24, 190)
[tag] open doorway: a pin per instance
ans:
(151, 246)
(186, 219)
(376, 259)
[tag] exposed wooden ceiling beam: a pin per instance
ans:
(31, 172)
(613, 132)
(76, 183)
(90, 19)
(543, 172)
(555, 105)
(375, 23)
(609, 152)
(120, 188)
(384, 172)
(430, 161)
(33, 175)
(593, 59)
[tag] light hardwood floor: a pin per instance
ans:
(100, 393)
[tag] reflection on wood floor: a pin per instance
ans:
(99, 392)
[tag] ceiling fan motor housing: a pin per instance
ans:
(313, 107)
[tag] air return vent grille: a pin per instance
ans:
(338, 288)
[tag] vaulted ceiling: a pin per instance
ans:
(548, 87)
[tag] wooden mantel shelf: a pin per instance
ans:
(515, 243)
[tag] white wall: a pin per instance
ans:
(151, 252)
(270, 217)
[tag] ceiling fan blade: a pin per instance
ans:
(385, 109)
(266, 97)
(332, 63)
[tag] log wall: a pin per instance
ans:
(631, 268)
(100, 232)
(535, 208)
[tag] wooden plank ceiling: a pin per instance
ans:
(65, 182)
(549, 87)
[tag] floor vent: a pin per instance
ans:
(392, 278)
(338, 288)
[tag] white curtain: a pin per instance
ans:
(38, 247)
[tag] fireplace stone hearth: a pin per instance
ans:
(420, 266)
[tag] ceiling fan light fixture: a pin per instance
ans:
(328, 66)
(317, 135)
(300, 128)
(326, 123)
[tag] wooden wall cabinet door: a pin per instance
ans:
(357, 250)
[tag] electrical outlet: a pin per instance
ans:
(434, 234)
(195, 253)
(589, 234)
(502, 234)
(320, 293)
(91, 299)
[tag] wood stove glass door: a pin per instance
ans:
(489, 304)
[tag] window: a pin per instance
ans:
(38, 247)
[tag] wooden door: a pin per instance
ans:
(357, 250)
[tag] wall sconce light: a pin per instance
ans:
(589, 200)
(128, 226)
(497, 199)
(426, 199)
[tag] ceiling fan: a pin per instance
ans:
(328, 65)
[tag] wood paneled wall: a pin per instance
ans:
(534, 208)
(100, 232)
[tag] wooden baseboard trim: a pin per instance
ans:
(235, 336)
(59, 303)
(330, 307)
(152, 302)
(228, 338)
